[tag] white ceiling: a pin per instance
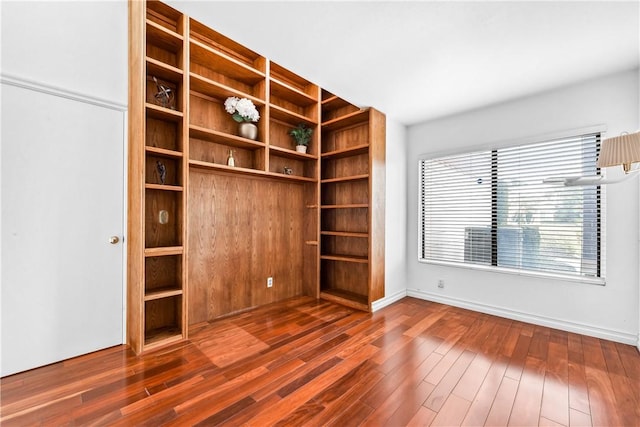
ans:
(419, 60)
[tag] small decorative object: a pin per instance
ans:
(163, 217)
(244, 112)
(164, 95)
(288, 171)
(230, 160)
(302, 136)
(162, 171)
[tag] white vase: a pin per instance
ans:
(301, 148)
(248, 130)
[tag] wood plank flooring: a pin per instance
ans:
(315, 363)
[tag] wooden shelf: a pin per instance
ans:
(163, 152)
(217, 90)
(219, 43)
(350, 299)
(163, 37)
(224, 64)
(355, 118)
(290, 93)
(164, 71)
(287, 116)
(346, 152)
(157, 311)
(290, 177)
(158, 112)
(345, 178)
(164, 15)
(223, 138)
(161, 336)
(347, 206)
(292, 98)
(292, 80)
(334, 102)
(346, 258)
(245, 171)
(345, 234)
(163, 251)
(350, 157)
(333, 107)
(311, 243)
(291, 154)
(224, 168)
(162, 293)
(163, 187)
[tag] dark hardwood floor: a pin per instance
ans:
(307, 362)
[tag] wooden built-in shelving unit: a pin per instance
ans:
(202, 242)
(352, 192)
(157, 177)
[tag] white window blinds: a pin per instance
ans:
(492, 208)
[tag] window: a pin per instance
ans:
(492, 208)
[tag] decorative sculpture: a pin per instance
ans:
(162, 171)
(164, 96)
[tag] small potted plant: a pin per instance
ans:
(244, 112)
(302, 136)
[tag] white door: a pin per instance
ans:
(62, 200)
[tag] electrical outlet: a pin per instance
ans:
(441, 283)
(269, 282)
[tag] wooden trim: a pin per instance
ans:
(135, 176)
(377, 154)
(186, 82)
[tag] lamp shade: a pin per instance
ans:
(620, 150)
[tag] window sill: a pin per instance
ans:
(600, 281)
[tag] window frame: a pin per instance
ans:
(601, 281)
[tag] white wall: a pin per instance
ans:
(80, 47)
(71, 50)
(395, 214)
(609, 311)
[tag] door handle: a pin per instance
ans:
(114, 239)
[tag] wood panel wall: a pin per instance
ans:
(241, 231)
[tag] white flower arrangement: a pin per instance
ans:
(242, 110)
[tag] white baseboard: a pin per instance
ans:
(381, 303)
(590, 330)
